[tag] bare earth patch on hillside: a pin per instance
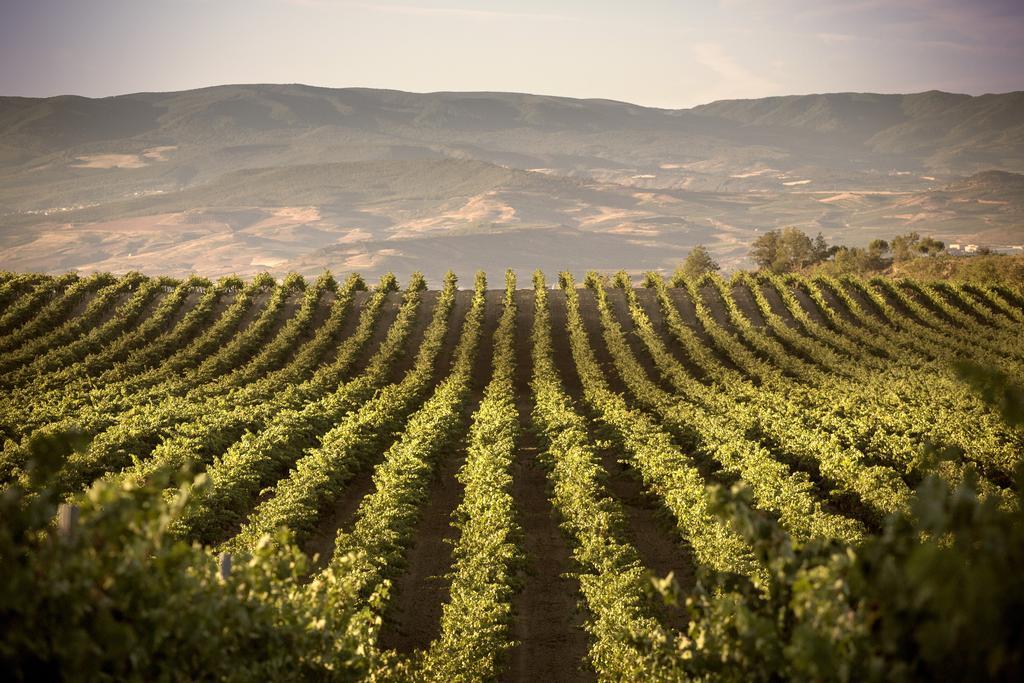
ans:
(243, 240)
(117, 160)
(110, 161)
(483, 208)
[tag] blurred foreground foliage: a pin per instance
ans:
(118, 598)
(937, 595)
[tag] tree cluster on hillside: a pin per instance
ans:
(790, 249)
(872, 258)
(910, 245)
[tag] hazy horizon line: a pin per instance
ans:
(498, 92)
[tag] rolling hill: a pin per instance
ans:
(247, 177)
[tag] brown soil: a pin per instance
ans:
(677, 296)
(407, 358)
(385, 319)
(866, 305)
(413, 618)
(287, 312)
(687, 311)
(348, 325)
(812, 312)
(778, 307)
(748, 307)
(147, 311)
(323, 541)
(112, 309)
(809, 307)
(654, 524)
(1000, 313)
(959, 304)
(182, 308)
(927, 305)
(713, 301)
(342, 513)
(220, 307)
(256, 308)
(323, 309)
(548, 625)
(620, 312)
(649, 303)
(835, 303)
(869, 305)
(560, 344)
(187, 305)
(180, 343)
(649, 526)
(648, 523)
(78, 308)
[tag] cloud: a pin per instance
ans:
(737, 78)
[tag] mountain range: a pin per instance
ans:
(244, 178)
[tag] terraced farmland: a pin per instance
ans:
(493, 483)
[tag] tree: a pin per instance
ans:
(904, 246)
(858, 260)
(798, 250)
(930, 246)
(698, 262)
(878, 248)
(789, 249)
(765, 249)
(820, 249)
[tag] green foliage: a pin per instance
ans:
(476, 620)
(611, 577)
(250, 463)
(698, 263)
(911, 244)
(386, 518)
(789, 249)
(935, 596)
(319, 475)
(117, 598)
(987, 270)
(872, 429)
(857, 261)
(996, 388)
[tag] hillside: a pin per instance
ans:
(307, 174)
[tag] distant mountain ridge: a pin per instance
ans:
(239, 178)
(942, 125)
(916, 125)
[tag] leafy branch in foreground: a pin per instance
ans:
(936, 596)
(117, 597)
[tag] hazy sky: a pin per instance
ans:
(654, 52)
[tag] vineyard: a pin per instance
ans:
(765, 477)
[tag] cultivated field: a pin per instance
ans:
(486, 480)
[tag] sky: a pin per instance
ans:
(661, 53)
